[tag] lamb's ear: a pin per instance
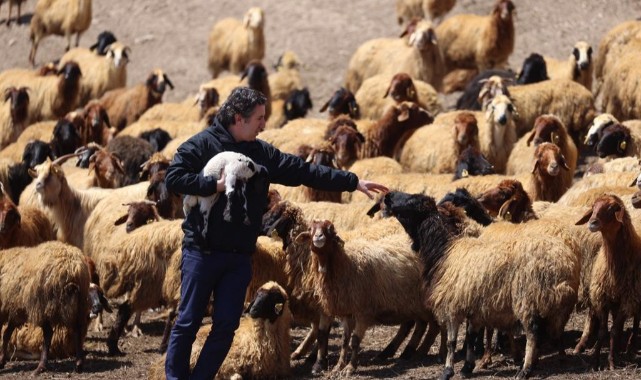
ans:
(584, 219)
(536, 166)
(324, 107)
(530, 138)
(121, 220)
(303, 238)
(249, 307)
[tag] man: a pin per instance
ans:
(221, 263)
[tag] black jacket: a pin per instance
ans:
(184, 177)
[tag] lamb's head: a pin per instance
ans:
(19, 103)
(36, 152)
(402, 89)
(596, 128)
(270, 302)
(97, 120)
(473, 207)
(500, 111)
(107, 169)
(347, 143)
(157, 82)
(582, 53)
(66, 138)
(534, 70)
(504, 9)
(342, 102)
(421, 34)
(244, 168)
(608, 215)
(50, 180)
(472, 162)
(119, 54)
(254, 18)
(323, 240)
(411, 210)
(9, 215)
(466, 130)
(547, 128)
(508, 201)
(138, 214)
(548, 160)
(614, 141)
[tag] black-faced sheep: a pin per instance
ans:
(613, 289)
(578, 67)
(419, 56)
(46, 286)
(232, 43)
(478, 42)
(133, 152)
(158, 138)
(534, 281)
(13, 114)
(59, 17)
(104, 39)
(65, 139)
(236, 168)
(126, 105)
(472, 162)
(260, 349)
(342, 102)
(619, 140)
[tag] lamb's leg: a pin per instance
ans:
(618, 318)
(452, 333)
(324, 326)
(47, 334)
(589, 327)
(247, 222)
(357, 338)
(124, 313)
(5, 342)
(402, 333)
(410, 349)
(165, 335)
(305, 345)
(230, 188)
(78, 39)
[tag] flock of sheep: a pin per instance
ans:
(485, 223)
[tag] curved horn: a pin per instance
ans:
(62, 159)
(147, 201)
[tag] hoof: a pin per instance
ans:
(113, 350)
(407, 355)
(384, 355)
(319, 367)
(135, 332)
(448, 373)
(524, 373)
(39, 370)
(467, 369)
(349, 370)
(295, 356)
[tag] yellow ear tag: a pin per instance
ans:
(508, 216)
(465, 173)
(278, 308)
(623, 145)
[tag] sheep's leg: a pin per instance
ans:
(618, 318)
(452, 333)
(631, 349)
(68, 36)
(357, 338)
(77, 39)
(432, 331)
(47, 334)
(323, 339)
(410, 349)
(305, 345)
(34, 48)
(124, 313)
(5, 342)
(77, 340)
(19, 13)
(246, 221)
(603, 332)
(10, 9)
(395, 343)
(136, 332)
(589, 327)
(530, 352)
(165, 335)
(347, 324)
(470, 357)
(486, 360)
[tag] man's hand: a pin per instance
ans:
(369, 187)
(220, 184)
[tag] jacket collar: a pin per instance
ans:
(221, 133)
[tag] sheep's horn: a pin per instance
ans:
(147, 201)
(142, 166)
(61, 160)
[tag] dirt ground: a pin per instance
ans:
(173, 36)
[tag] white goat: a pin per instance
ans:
(237, 167)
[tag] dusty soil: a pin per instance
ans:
(173, 36)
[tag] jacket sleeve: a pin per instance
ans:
(287, 169)
(184, 174)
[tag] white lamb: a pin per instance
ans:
(237, 167)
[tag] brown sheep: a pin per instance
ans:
(138, 214)
(24, 226)
(13, 114)
(548, 164)
(347, 143)
(322, 155)
(614, 288)
(96, 127)
(578, 67)
(126, 105)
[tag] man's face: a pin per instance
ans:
(248, 129)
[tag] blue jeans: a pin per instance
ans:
(227, 276)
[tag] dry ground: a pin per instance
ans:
(324, 33)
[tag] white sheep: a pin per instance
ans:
(419, 56)
(406, 10)
(236, 167)
(233, 44)
(100, 73)
(60, 17)
(578, 67)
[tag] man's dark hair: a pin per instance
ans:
(242, 100)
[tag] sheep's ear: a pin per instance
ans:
(121, 220)
(249, 307)
(360, 137)
(119, 166)
(530, 138)
(620, 214)
(634, 182)
(278, 308)
(432, 36)
(564, 163)
(465, 173)
(584, 219)
(32, 173)
(105, 117)
(536, 166)
(404, 115)
(388, 90)
(324, 107)
(166, 78)
(7, 94)
(303, 238)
